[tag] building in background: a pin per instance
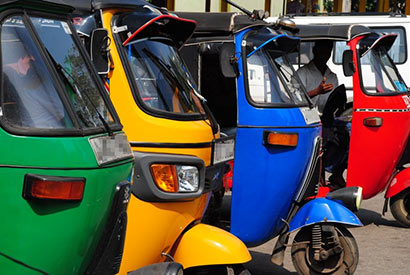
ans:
(275, 7)
(279, 7)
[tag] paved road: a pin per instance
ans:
(384, 245)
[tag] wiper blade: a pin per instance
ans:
(202, 100)
(164, 66)
(65, 74)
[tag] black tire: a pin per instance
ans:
(217, 270)
(400, 207)
(343, 263)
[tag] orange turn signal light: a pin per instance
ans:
(373, 121)
(53, 188)
(280, 139)
(165, 177)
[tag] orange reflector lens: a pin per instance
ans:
(281, 139)
(54, 188)
(165, 177)
(373, 121)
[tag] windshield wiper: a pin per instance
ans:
(167, 69)
(65, 74)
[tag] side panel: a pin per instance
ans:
(375, 151)
(265, 182)
(53, 236)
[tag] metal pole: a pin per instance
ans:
(208, 5)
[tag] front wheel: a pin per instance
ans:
(324, 249)
(400, 207)
(217, 270)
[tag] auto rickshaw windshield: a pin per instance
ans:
(30, 97)
(382, 76)
(272, 80)
(90, 106)
(162, 79)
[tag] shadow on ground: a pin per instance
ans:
(371, 217)
(261, 265)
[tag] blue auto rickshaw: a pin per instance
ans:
(241, 67)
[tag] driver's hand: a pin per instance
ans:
(324, 87)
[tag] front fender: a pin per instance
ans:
(400, 182)
(323, 210)
(207, 245)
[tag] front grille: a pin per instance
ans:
(214, 177)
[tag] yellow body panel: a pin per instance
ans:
(153, 228)
(208, 245)
(142, 127)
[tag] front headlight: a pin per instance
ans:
(188, 178)
(351, 197)
(175, 178)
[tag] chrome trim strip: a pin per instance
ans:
(310, 170)
(383, 110)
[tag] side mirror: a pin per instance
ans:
(227, 61)
(99, 50)
(348, 64)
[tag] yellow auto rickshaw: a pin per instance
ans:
(134, 46)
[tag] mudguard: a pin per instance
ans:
(323, 210)
(400, 182)
(207, 245)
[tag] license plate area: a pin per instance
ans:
(223, 149)
(108, 149)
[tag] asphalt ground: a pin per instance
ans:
(384, 245)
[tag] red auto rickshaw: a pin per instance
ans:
(379, 149)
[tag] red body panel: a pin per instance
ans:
(400, 182)
(375, 151)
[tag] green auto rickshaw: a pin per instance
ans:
(65, 164)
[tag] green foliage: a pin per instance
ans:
(328, 5)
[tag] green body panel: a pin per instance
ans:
(56, 237)
(51, 152)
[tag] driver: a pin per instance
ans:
(36, 102)
(320, 81)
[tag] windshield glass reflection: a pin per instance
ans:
(162, 79)
(383, 76)
(273, 80)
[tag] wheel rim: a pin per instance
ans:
(327, 266)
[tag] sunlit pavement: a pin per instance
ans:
(384, 245)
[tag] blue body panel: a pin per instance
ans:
(323, 210)
(266, 179)
(265, 182)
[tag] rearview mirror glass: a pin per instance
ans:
(229, 66)
(99, 50)
(348, 64)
